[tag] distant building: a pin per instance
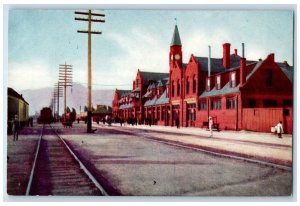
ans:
(239, 94)
(101, 112)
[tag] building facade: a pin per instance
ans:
(239, 94)
(16, 105)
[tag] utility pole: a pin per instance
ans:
(58, 93)
(65, 80)
(89, 19)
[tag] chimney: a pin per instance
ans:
(208, 62)
(243, 50)
(242, 71)
(226, 55)
(271, 57)
(243, 67)
(235, 52)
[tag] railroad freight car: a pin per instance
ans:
(16, 105)
(46, 116)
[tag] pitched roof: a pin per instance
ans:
(13, 93)
(154, 76)
(125, 106)
(151, 102)
(216, 92)
(217, 63)
(176, 38)
(160, 84)
(163, 99)
(287, 70)
(123, 92)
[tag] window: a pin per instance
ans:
(167, 91)
(230, 103)
(232, 80)
(203, 105)
(178, 87)
(194, 84)
(173, 88)
(218, 85)
(287, 103)
(286, 112)
(216, 104)
(270, 103)
(251, 103)
(158, 113)
(269, 77)
(208, 85)
(163, 113)
(187, 86)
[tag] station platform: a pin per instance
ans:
(253, 145)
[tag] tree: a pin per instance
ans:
(85, 108)
(74, 110)
(68, 110)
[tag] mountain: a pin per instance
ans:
(76, 98)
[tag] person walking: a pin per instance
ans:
(210, 125)
(279, 129)
(177, 122)
(16, 126)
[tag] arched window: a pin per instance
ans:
(194, 84)
(172, 88)
(178, 87)
(187, 85)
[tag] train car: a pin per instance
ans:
(46, 116)
(16, 105)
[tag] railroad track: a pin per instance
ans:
(58, 171)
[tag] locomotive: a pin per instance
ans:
(46, 116)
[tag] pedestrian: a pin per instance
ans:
(177, 122)
(279, 129)
(16, 126)
(210, 125)
(121, 121)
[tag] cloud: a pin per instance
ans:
(31, 75)
(139, 51)
(197, 41)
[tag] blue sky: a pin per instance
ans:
(40, 40)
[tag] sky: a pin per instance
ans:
(40, 40)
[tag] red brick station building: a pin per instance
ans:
(239, 94)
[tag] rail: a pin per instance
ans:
(34, 163)
(85, 170)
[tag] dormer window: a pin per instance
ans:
(232, 80)
(208, 85)
(218, 85)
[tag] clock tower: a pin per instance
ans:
(175, 49)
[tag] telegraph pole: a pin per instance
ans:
(58, 93)
(65, 80)
(89, 19)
